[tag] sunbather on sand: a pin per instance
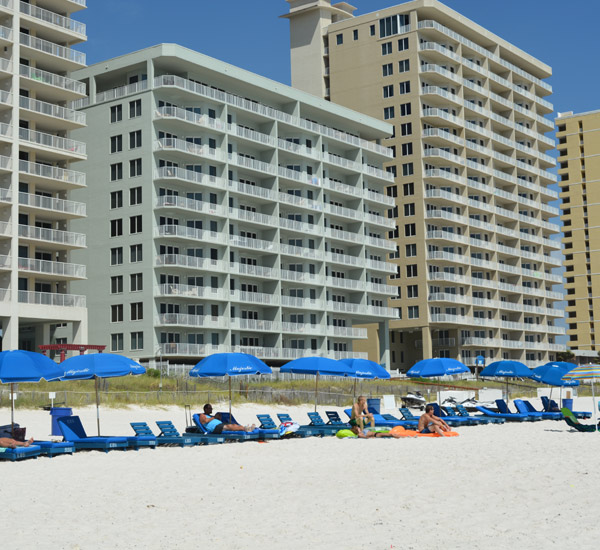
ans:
(429, 423)
(13, 443)
(360, 412)
(213, 424)
(367, 435)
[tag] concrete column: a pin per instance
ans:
(10, 333)
(384, 344)
(427, 343)
(80, 332)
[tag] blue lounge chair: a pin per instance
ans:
(72, 430)
(308, 430)
(407, 414)
(169, 432)
(552, 406)
(547, 415)
(451, 420)
(380, 421)
(263, 433)
(522, 408)
(267, 423)
(333, 419)
(142, 429)
(503, 408)
(53, 448)
(452, 412)
(20, 453)
(226, 434)
(462, 411)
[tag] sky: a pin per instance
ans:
(250, 34)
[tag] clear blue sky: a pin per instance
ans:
(249, 33)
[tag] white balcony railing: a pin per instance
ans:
(52, 235)
(52, 268)
(52, 110)
(52, 79)
(52, 49)
(52, 203)
(65, 145)
(52, 172)
(53, 18)
(51, 299)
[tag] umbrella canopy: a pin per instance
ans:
(552, 374)
(363, 368)
(318, 366)
(99, 365)
(506, 370)
(229, 364)
(439, 366)
(25, 366)
(586, 372)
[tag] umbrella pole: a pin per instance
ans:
(229, 398)
(595, 405)
(316, 390)
(355, 389)
(97, 405)
(12, 410)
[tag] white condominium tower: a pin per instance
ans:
(229, 212)
(36, 211)
(474, 244)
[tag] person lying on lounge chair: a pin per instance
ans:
(13, 443)
(213, 424)
(369, 434)
(360, 412)
(429, 423)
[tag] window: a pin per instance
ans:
(116, 228)
(391, 170)
(412, 291)
(388, 91)
(136, 282)
(389, 26)
(405, 109)
(137, 340)
(403, 44)
(411, 270)
(116, 255)
(339, 39)
(135, 108)
(116, 144)
(116, 313)
(135, 168)
(372, 30)
(413, 312)
(355, 34)
(409, 209)
(116, 171)
(407, 149)
(135, 253)
(386, 48)
(116, 113)
(407, 169)
(135, 224)
(392, 191)
(135, 139)
(403, 66)
(404, 87)
(388, 69)
(137, 311)
(411, 250)
(116, 284)
(410, 229)
(116, 342)
(408, 189)
(388, 112)
(406, 129)
(135, 196)
(116, 199)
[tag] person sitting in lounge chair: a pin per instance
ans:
(360, 412)
(369, 434)
(213, 424)
(13, 443)
(429, 423)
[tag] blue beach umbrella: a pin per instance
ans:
(99, 365)
(365, 369)
(317, 366)
(438, 366)
(506, 369)
(551, 374)
(229, 364)
(25, 366)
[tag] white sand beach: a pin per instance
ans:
(531, 485)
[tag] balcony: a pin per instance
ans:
(189, 117)
(301, 277)
(62, 27)
(309, 304)
(252, 190)
(184, 320)
(347, 332)
(300, 251)
(183, 232)
(41, 111)
(183, 203)
(191, 262)
(189, 150)
(188, 291)
(51, 176)
(52, 86)
(60, 58)
(63, 208)
(252, 217)
(5, 229)
(54, 269)
(51, 299)
(52, 236)
(259, 325)
(254, 270)
(303, 328)
(54, 147)
(255, 244)
(171, 172)
(254, 297)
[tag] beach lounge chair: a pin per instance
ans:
(53, 448)
(142, 429)
(263, 433)
(462, 411)
(226, 434)
(522, 408)
(552, 406)
(307, 429)
(503, 408)
(267, 423)
(20, 453)
(381, 421)
(452, 412)
(72, 430)
(407, 414)
(333, 419)
(169, 432)
(451, 420)
(547, 415)
(572, 421)
(513, 417)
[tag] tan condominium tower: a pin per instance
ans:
(475, 247)
(579, 171)
(37, 305)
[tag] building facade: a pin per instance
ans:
(475, 247)
(37, 305)
(228, 212)
(579, 171)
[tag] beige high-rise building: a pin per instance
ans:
(474, 238)
(37, 305)
(579, 171)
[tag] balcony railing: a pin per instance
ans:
(52, 268)
(191, 176)
(192, 262)
(175, 201)
(51, 299)
(52, 203)
(52, 172)
(183, 319)
(52, 110)
(52, 235)
(189, 291)
(53, 18)
(5, 229)
(54, 142)
(52, 79)
(52, 49)
(191, 233)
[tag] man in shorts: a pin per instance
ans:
(214, 425)
(431, 424)
(360, 412)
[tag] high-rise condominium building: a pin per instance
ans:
(579, 170)
(36, 239)
(229, 212)
(473, 237)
